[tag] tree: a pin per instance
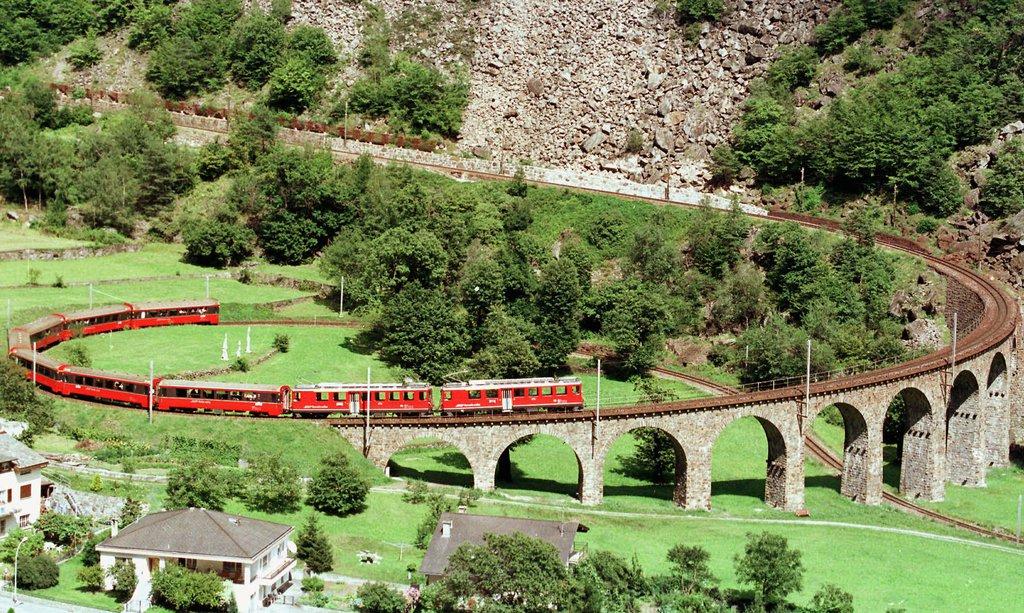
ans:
(1003, 192)
(84, 52)
(399, 257)
(295, 85)
(123, 575)
(196, 484)
(252, 136)
(92, 578)
(217, 243)
(182, 589)
(770, 566)
(636, 322)
(795, 67)
(63, 529)
(376, 597)
(558, 299)
(91, 557)
(182, 66)
(619, 582)
(151, 25)
(272, 486)
(130, 512)
(256, 44)
(338, 488)
(37, 572)
(312, 546)
(515, 571)
(830, 598)
(654, 457)
(437, 504)
(18, 400)
(716, 240)
(313, 44)
(690, 568)
(420, 330)
(33, 544)
(506, 352)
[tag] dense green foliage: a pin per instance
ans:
(18, 400)
(337, 488)
(312, 546)
(376, 597)
(1003, 192)
(196, 484)
(37, 572)
(689, 11)
(217, 243)
(124, 579)
(771, 567)
(92, 578)
(63, 529)
(257, 41)
(195, 57)
(181, 589)
(272, 485)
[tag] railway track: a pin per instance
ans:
(823, 454)
(708, 385)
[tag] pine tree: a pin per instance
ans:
(338, 489)
(312, 546)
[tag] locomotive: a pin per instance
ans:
(315, 400)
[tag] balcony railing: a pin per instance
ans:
(232, 576)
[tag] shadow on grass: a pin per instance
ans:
(891, 467)
(440, 477)
(363, 343)
(534, 484)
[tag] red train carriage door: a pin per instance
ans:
(506, 401)
(353, 403)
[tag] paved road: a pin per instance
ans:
(30, 604)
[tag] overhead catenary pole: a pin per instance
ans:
(341, 300)
(598, 413)
(955, 325)
(248, 339)
(207, 287)
(807, 382)
(151, 385)
(366, 411)
(90, 295)
(33, 362)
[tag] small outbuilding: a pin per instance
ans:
(456, 529)
(254, 557)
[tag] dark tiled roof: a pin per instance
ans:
(13, 450)
(472, 528)
(197, 532)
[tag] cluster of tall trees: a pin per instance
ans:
(895, 132)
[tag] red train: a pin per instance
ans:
(322, 399)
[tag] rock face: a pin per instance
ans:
(548, 76)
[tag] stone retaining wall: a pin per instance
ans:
(68, 253)
(86, 504)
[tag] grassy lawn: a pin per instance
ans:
(155, 259)
(70, 298)
(14, 236)
(70, 591)
(305, 272)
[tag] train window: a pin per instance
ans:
(546, 391)
(382, 396)
(560, 390)
(518, 392)
(492, 393)
(423, 395)
(532, 391)
(323, 395)
(410, 395)
(339, 396)
(396, 395)
(474, 394)
(447, 395)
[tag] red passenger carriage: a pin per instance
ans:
(47, 370)
(105, 386)
(174, 395)
(508, 395)
(46, 331)
(18, 338)
(113, 318)
(326, 398)
(149, 314)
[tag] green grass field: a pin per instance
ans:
(14, 236)
(154, 260)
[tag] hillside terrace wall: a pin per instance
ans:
(68, 253)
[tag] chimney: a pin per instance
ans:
(446, 529)
(113, 527)
(462, 508)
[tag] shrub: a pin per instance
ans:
(312, 584)
(151, 25)
(182, 589)
(63, 529)
(91, 557)
(312, 44)
(92, 578)
(84, 53)
(725, 164)
(256, 44)
(1003, 194)
(131, 511)
(416, 491)
(861, 59)
(181, 66)
(218, 244)
(690, 11)
(842, 27)
(123, 575)
(241, 364)
(281, 10)
(795, 67)
(295, 85)
(634, 141)
(272, 485)
(379, 598)
(196, 484)
(33, 544)
(37, 572)
(78, 355)
(282, 342)
(831, 598)
(337, 488)
(213, 160)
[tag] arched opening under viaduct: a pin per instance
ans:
(646, 463)
(432, 460)
(539, 463)
(844, 430)
(912, 446)
(997, 413)
(748, 467)
(965, 448)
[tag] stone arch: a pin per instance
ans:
(855, 480)
(965, 449)
(777, 481)
(679, 489)
(501, 459)
(457, 459)
(997, 412)
(920, 466)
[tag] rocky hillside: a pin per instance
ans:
(562, 83)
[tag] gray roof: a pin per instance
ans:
(197, 532)
(472, 528)
(13, 450)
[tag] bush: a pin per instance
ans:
(726, 164)
(312, 584)
(217, 244)
(634, 141)
(831, 598)
(281, 10)
(861, 59)
(337, 488)
(295, 85)
(63, 529)
(92, 578)
(84, 53)
(690, 11)
(182, 66)
(78, 355)
(241, 364)
(151, 25)
(1003, 193)
(256, 44)
(795, 67)
(123, 575)
(91, 557)
(416, 491)
(312, 44)
(182, 589)
(213, 160)
(282, 342)
(196, 484)
(379, 598)
(37, 572)
(841, 28)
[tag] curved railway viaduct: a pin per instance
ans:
(960, 413)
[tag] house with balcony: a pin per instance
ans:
(22, 486)
(255, 558)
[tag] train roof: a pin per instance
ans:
(105, 374)
(174, 304)
(41, 359)
(112, 309)
(17, 337)
(326, 387)
(43, 323)
(481, 383)
(223, 387)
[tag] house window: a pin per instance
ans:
(26, 491)
(23, 521)
(3, 526)
(189, 563)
